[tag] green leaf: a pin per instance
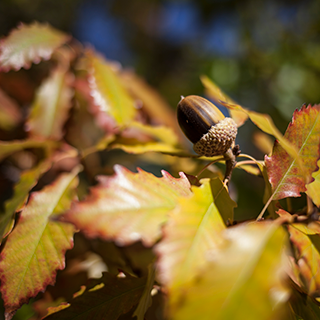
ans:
(194, 228)
(107, 90)
(35, 249)
(222, 200)
(287, 178)
(105, 298)
(27, 181)
(146, 300)
(51, 106)
(243, 279)
(29, 44)
(129, 206)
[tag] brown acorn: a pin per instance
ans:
(204, 124)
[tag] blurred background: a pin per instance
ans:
(264, 54)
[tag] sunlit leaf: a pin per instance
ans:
(29, 44)
(243, 279)
(287, 178)
(10, 114)
(129, 206)
(263, 142)
(306, 240)
(105, 298)
(27, 180)
(147, 147)
(193, 229)
(35, 249)
(313, 188)
(107, 90)
(9, 147)
(216, 94)
(152, 102)
(51, 106)
(146, 301)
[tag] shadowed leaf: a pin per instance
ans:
(129, 206)
(27, 181)
(10, 114)
(146, 300)
(51, 106)
(107, 90)
(243, 279)
(287, 178)
(9, 147)
(194, 228)
(35, 249)
(105, 298)
(306, 240)
(29, 44)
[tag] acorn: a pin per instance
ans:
(205, 125)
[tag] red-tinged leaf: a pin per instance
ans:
(216, 94)
(306, 240)
(244, 278)
(35, 249)
(9, 147)
(129, 206)
(107, 90)
(51, 106)
(287, 178)
(29, 44)
(10, 114)
(27, 181)
(313, 188)
(105, 298)
(194, 228)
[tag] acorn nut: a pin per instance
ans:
(204, 124)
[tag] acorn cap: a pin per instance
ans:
(218, 139)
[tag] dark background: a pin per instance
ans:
(264, 54)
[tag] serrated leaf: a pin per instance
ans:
(27, 180)
(243, 279)
(306, 240)
(193, 229)
(105, 298)
(35, 249)
(51, 106)
(10, 114)
(9, 147)
(313, 188)
(29, 44)
(129, 206)
(107, 90)
(146, 300)
(216, 94)
(287, 178)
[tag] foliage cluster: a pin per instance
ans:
(169, 248)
